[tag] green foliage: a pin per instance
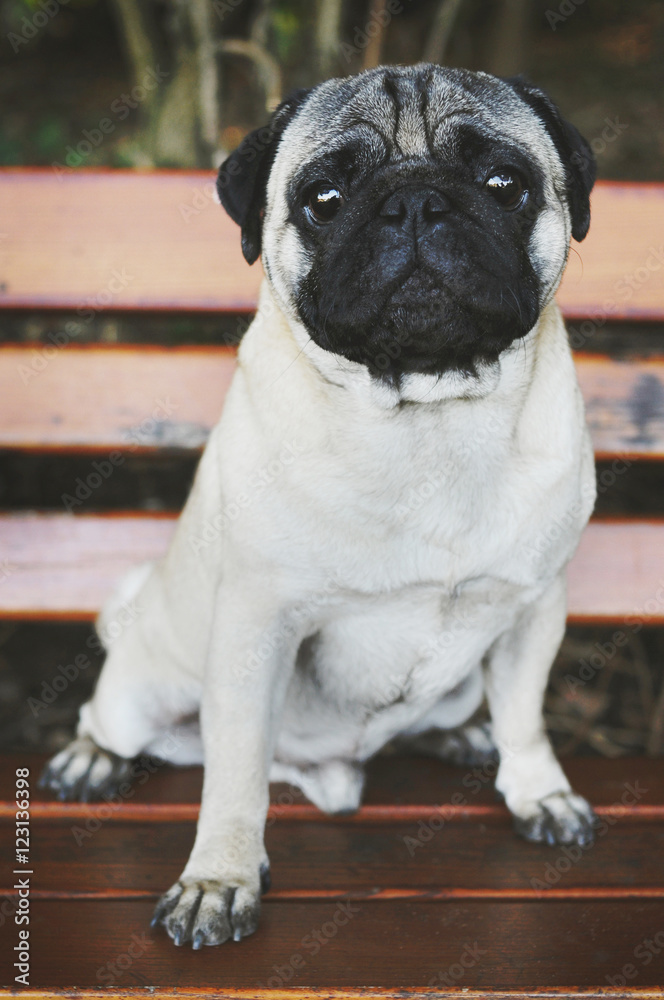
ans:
(11, 153)
(49, 138)
(286, 26)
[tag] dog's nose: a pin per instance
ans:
(419, 205)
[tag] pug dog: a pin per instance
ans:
(380, 523)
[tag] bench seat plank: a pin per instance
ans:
(59, 566)
(400, 946)
(142, 398)
(398, 786)
(99, 239)
(400, 782)
(323, 857)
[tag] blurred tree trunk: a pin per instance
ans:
(441, 31)
(181, 114)
(376, 25)
(328, 36)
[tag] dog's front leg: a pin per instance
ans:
(250, 659)
(532, 781)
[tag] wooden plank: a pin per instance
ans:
(59, 566)
(325, 858)
(618, 270)
(624, 406)
(94, 240)
(50, 560)
(617, 575)
(398, 787)
(400, 948)
(142, 398)
(107, 398)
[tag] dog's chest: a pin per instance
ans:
(425, 575)
(463, 515)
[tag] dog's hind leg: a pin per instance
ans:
(470, 745)
(146, 696)
(452, 730)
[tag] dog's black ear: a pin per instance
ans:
(575, 153)
(242, 179)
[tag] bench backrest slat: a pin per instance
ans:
(141, 398)
(58, 566)
(94, 240)
(98, 240)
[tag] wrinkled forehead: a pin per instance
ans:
(410, 114)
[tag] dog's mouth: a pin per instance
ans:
(422, 326)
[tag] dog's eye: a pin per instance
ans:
(324, 202)
(507, 187)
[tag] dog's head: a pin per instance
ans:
(414, 219)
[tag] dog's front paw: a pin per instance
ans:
(210, 911)
(560, 818)
(84, 772)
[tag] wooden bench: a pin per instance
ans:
(426, 890)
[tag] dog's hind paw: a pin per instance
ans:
(84, 772)
(208, 911)
(561, 818)
(467, 746)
